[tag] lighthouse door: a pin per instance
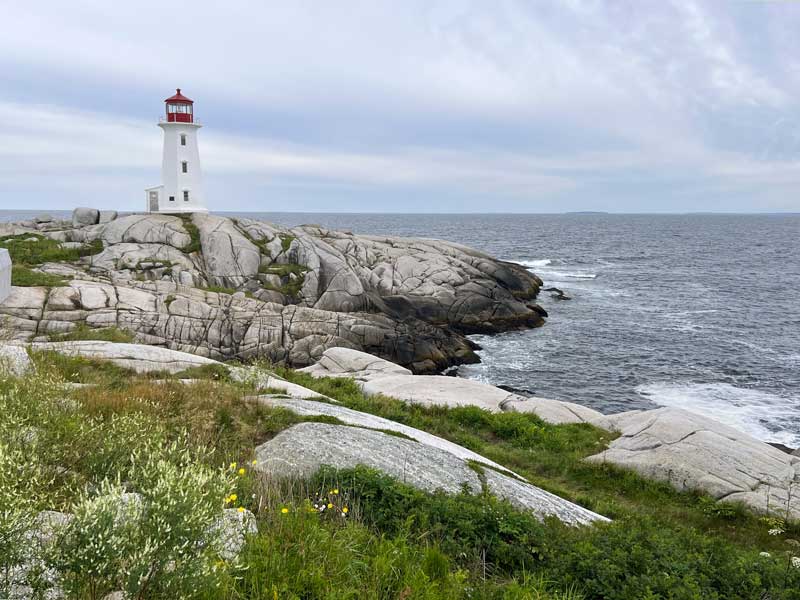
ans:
(153, 201)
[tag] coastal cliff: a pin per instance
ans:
(240, 288)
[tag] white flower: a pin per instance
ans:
(775, 531)
(795, 561)
(765, 554)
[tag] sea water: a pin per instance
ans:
(700, 312)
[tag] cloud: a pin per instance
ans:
(533, 105)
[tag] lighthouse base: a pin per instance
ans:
(157, 202)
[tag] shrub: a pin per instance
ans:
(151, 545)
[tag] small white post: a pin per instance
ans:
(5, 274)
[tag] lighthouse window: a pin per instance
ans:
(185, 166)
(172, 198)
(183, 139)
(185, 195)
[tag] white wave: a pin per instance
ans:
(532, 264)
(568, 275)
(765, 416)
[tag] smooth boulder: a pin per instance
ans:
(694, 452)
(300, 451)
(138, 357)
(85, 216)
(346, 362)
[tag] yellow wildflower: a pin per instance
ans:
(345, 510)
(284, 510)
(233, 466)
(330, 505)
(233, 497)
(241, 471)
(240, 509)
(254, 462)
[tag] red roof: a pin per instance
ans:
(179, 98)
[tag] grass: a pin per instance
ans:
(218, 289)
(291, 286)
(393, 541)
(194, 234)
(550, 456)
(286, 241)
(32, 250)
(84, 332)
(22, 276)
(261, 243)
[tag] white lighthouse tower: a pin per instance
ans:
(181, 189)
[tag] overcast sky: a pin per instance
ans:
(408, 106)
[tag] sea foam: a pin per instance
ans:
(765, 416)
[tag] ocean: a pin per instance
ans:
(700, 312)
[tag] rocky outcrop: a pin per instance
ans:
(84, 216)
(693, 452)
(359, 419)
(137, 357)
(230, 258)
(346, 362)
(300, 451)
(298, 291)
(5, 274)
(14, 361)
(377, 376)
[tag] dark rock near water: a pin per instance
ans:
(557, 293)
(283, 294)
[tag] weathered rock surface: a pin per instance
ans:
(106, 216)
(85, 216)
(141, 229)
(14, 361)
(231, 259)
(553, 411)
(300, 291)
(378, 376)
(5, 274)
(138, 357)
(693, 452)
(346, 362)
(301, 450)
(440, 390)
(360, 419)
(227, 534)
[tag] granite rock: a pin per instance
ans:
(14, 360)
(85, 216)
(300, 451)
(694, 452)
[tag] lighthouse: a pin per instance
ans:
(181, 189)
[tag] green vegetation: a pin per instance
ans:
(261, 243)
(219, 289)
(292, 275)
(194, 234)
(286, 241)
(84, 332)
(22, 276)
(32, 250)
(187, 449)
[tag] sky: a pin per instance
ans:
(414, 106)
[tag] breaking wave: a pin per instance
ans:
(763, 415)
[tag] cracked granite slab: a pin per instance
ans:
(692, 452)
(300, 451)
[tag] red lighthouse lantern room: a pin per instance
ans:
(179, 108)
